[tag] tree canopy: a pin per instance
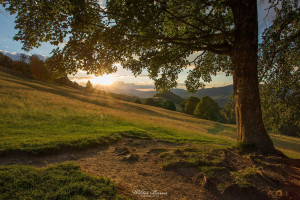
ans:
(207, 108)
(138, 101)
(125, 29)
(169, 105)
(150, 102)
(189, 105)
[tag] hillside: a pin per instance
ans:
(136, 146)
(218, 94)
(170, 96)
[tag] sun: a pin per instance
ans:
(103, 80)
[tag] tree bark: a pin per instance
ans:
(250, 127)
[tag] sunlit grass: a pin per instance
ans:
(39, 116)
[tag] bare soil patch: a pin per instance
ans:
(164, 170)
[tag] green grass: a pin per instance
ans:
(41, 117)
(218, 127)
(62, 181)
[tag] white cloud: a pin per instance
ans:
(226, 83)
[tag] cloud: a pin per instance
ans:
(221, 73)
(16, 56)
(102, 3)
(130, 76)
(226, 83)
(74, 78)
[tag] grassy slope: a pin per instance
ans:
(38, 116)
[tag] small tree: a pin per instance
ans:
(138, 101)
(158, 103)
(88, 86)
(6, 61)
(169, 105)
(189, 105)
(207, 108)
(38, 68)
(150, 102)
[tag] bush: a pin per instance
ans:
(150, 102)
(189, 105)
(169, 105)
(207, 108)
(138, 101)
(158, 104)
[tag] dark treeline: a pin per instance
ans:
(36, 68)
(205, 108)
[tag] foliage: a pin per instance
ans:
(169, 105)
(189, 105)
(22, 67)
(228, 112)
(170, 95)
(27, 182)
(89, 87)
(207, 108)
(38, 68)
(6, 61)
(150, 102)
(279, 69)
(158, 103)
(161, 34)
(138, 101)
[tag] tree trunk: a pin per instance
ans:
(250, 127)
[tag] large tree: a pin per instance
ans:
(157, 35)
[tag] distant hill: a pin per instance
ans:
(219, 94)
(170, 96)
(133, 92)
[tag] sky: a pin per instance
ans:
(9, 46)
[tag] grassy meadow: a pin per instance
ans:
(41, 117)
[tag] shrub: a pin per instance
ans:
(169, 105)
(150, 102)
(138, 101)
(207, 108)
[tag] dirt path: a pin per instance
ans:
(144, 176)
(137, 178)
(136, 166)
